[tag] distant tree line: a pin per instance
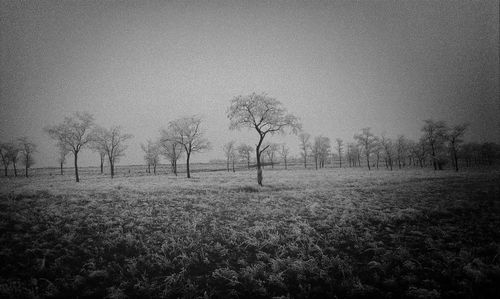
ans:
(438, 146)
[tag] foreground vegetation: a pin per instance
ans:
(346, 233)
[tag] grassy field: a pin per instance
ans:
(347, 233)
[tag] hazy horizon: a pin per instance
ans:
(338, 65)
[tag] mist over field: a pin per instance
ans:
(259, 149)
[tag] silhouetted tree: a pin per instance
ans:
(454, 138)
(170, 149)
(74, 133)
(434, 133)
(188, 133)
(112, 141)
(5, 149)
(366, 141)
(340, 147)
(151, 154)
(27, 149)
(305, 145)
(284, 151)
(230, 153)
(244, 151)
(264, 114)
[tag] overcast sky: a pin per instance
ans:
(338, 65)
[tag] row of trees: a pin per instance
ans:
(243, 152)
(21, 151)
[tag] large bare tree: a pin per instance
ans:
(188, 133)
(340, 147)
(27, 149)
(112, 141)
(170, 149)
(434, 133)
(454, 137)
(245, 151)
(264, 114)
(366, 140)
(73, 132)
(305, 145)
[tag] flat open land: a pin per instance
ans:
(348, 233)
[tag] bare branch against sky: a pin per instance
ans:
(340, 66)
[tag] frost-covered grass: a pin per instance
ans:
(345, 233)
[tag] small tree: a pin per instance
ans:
(434, 133)
(230, 153)
(387, 149)
(13, 155)
(284, 151)
(151, 154)
(366, 141)
(401, 148)
(61, 159)
(271, 150)
(264, 114)
(320, 150)
(454, 138)
(112, 141)
(74, 133)
(170, 149)
(97, 147)
(187, 132)
(27, 149)
(305, 145)
(340, 147)
(5, 149)
(245, 152)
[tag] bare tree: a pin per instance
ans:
(5, 149)
(264, 114)
(187, 132)
(321, 150)
(377, 149)
(434, 133)
(13, 155)
(63, 152)
(284, 151)
(305, 145)
(270, 151)
(340, 147)
(230, 153)
(151, 154)
(387, 148)
(401, 148)
(455, 139)
(73, 132)
(27, 149)
(245, 151)
(97, 146)
(366, 140)
(112, 141)
(170, 149)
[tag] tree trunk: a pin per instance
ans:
(305, 160)
(340, 160)
(368, 161)
(285, 163)
(5, 170)
(248, 162)
(26, 170)
(187, 165)
(227, 164)
(175, 167)
(434, 157)
(102, 164)
(62, 173)
(259, 169)
(15, 169)
(112, 169)
(154, 169)
(76, 167)
(455, 158)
